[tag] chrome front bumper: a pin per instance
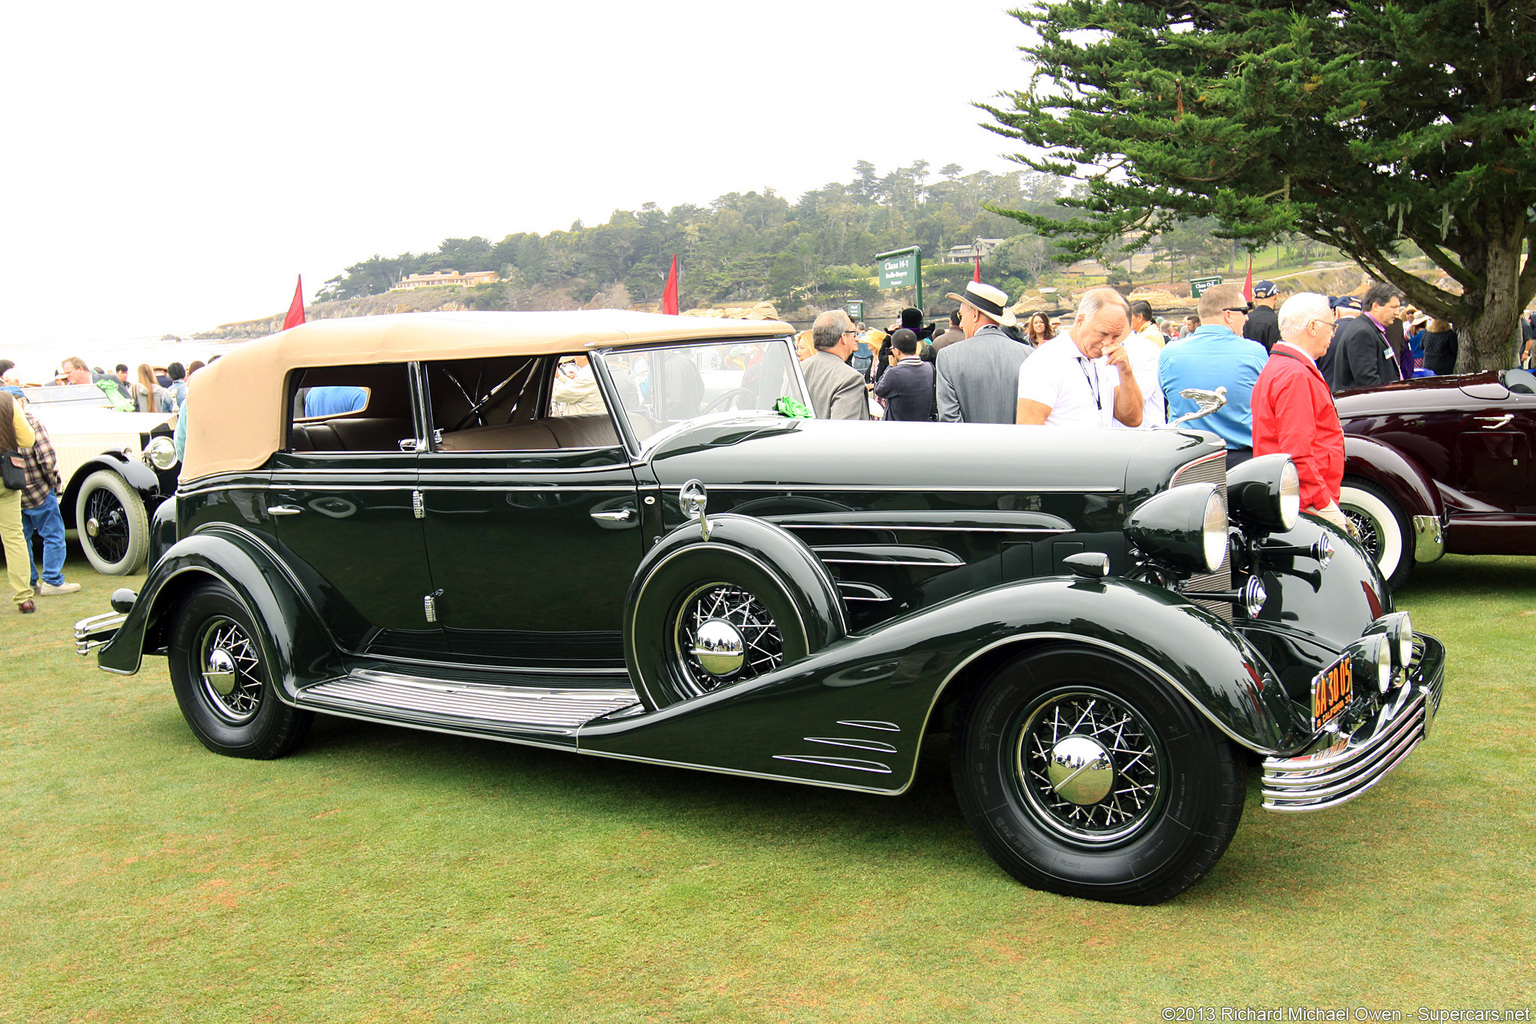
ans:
(1341, 765)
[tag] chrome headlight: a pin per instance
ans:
(1184, 528)
(1265, 493)
(1382, 656)
(161, 452)
(1397, 629)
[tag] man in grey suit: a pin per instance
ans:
(837, 390)
(977, 380)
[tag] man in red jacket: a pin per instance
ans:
(1293, 409)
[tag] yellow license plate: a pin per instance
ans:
(1332, 690)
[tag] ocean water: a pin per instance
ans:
(37, 362)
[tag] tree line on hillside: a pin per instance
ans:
(818, 250)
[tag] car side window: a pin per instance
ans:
(517, 403)
(350, 409)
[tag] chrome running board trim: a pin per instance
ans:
(479, 707)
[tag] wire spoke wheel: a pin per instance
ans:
(1083, 772)
(230, 670)
(221, 673)
(724, 633)
(109, 524)
(1088, 766)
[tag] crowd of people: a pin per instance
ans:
(1115, 365)
(31, 523)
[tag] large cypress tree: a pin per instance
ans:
(1359, 124)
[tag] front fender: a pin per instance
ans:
(135, 473)
(1412, 488)
(853, 714)
(298, 647)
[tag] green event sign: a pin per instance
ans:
(1198, 285)
(855, 309)
(902, 268)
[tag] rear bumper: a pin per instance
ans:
(97, 630)
(1340, 766)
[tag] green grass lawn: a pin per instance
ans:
(387, 875)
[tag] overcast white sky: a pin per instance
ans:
(173, 166)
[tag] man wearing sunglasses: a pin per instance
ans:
(1216, 355)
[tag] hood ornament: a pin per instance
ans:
(1206, 402)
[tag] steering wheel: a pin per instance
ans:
(721, 399)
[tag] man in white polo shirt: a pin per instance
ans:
(1085, 379)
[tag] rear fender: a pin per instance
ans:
(297, 644)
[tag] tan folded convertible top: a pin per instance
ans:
(244, 389)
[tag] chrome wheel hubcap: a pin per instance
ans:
(1088, 767)
(1080, 770)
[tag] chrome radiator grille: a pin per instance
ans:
(1212, 469)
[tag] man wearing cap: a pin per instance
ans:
(1263, 324)
(977, 380)
(1363, 352)
(1083, 376)
(1343, 307)
(837, 390)
(1215, 356)
(1293, 412)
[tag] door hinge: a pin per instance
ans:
(429, 605)
(417, 507)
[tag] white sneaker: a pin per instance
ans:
(46, 589)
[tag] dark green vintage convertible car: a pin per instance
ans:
(611, 533)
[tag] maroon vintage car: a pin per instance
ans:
(1441, 464)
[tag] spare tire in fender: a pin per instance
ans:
(704, 613)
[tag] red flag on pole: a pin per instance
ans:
(1248, 282)
(669, 297)
(296, 307)
(977, 276)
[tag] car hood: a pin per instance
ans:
(924, 456)
(1423, 394)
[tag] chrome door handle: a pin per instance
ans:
(283, 510)
(623, 515)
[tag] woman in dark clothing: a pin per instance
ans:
(1440, 345)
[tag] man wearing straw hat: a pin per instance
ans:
(977, 380)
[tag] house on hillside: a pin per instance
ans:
(445, 277)
(967, 253)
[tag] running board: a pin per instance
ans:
(463, 707)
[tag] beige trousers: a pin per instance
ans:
(18, 568)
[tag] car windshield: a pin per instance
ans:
(661, 386)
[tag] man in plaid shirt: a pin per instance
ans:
(40, 513)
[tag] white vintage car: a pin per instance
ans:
(117, 467)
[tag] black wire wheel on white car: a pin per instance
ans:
(113, 524)
(1083, 773)
(1385, 534)
(222, 681)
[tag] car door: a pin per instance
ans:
(344, 510)
(531, 518)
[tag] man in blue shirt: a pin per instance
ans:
(1216, 355)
